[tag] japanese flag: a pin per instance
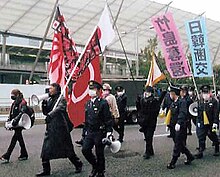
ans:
(106, 31)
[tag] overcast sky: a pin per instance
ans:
(211, 7)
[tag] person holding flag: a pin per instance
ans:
(148, 108)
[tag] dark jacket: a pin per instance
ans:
(122, 104)
(167, 102)
(97, 116)
(57, 141)
(18, 107)
(179, 112)
(148, 110)
(212, 111)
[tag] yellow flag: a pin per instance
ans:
(168, 117)
(205, 118)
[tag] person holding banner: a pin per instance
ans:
(207, 121)
(98, 125)
(57, 141)
(178, 127)
(18, 107)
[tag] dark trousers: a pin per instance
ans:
(94, 139)
(189, 124)
(73, 158)
(16, 137)
(148, 135)
(180, 143)
(204, 131)
(120, 127)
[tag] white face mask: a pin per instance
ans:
(92, 93)
(206, 96)
(120, 93)
(190, 93)
(147, 94)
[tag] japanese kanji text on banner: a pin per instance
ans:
(176, 62)
(198, 42)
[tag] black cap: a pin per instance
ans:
(191, 88)
(149, 89)
(175, 89)
(205, 88)
(184, 88)
(119, 88)
(94, 84)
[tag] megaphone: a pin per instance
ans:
(114, 146)
(35, 99)
(193, 109)
(24, 122)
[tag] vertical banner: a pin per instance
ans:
(175, 59)
(198, 42)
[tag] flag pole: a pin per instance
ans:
(156, 59)
(74, 68)
(43, 40)
(122, 45)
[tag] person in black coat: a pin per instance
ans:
(57, 141)
(148, 108)
(121, 99)
(207, 121)
(178, 127)
(18, 107)
(98, 125)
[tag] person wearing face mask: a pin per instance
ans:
(148, 108)
(121, 99)
(178, 127)
(106, 94)
(207, 121)
(98, 125)
(184, 94)
(18, 107)
(57, 141)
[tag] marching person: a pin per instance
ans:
(207, 121)
(18, 107)
(57, 141)
(121, 99)
(148, 108)
(98, 125)
(166, 106)
(189, 101)
(178, 127)
(106, 94)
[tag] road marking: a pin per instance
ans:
(162, 135)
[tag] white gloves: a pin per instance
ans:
(214, 126)
(167, 129)
(177, 127)
(108, 135)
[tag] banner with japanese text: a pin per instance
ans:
(198, 42)
(175, 59)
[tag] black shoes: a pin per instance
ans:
(190, 133)
(189, 160)
(171, 166)
(3, 160)
(146, 156)
(22, 158)
(100, 174)
(199, 155)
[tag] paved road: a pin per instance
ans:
(127, 163)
